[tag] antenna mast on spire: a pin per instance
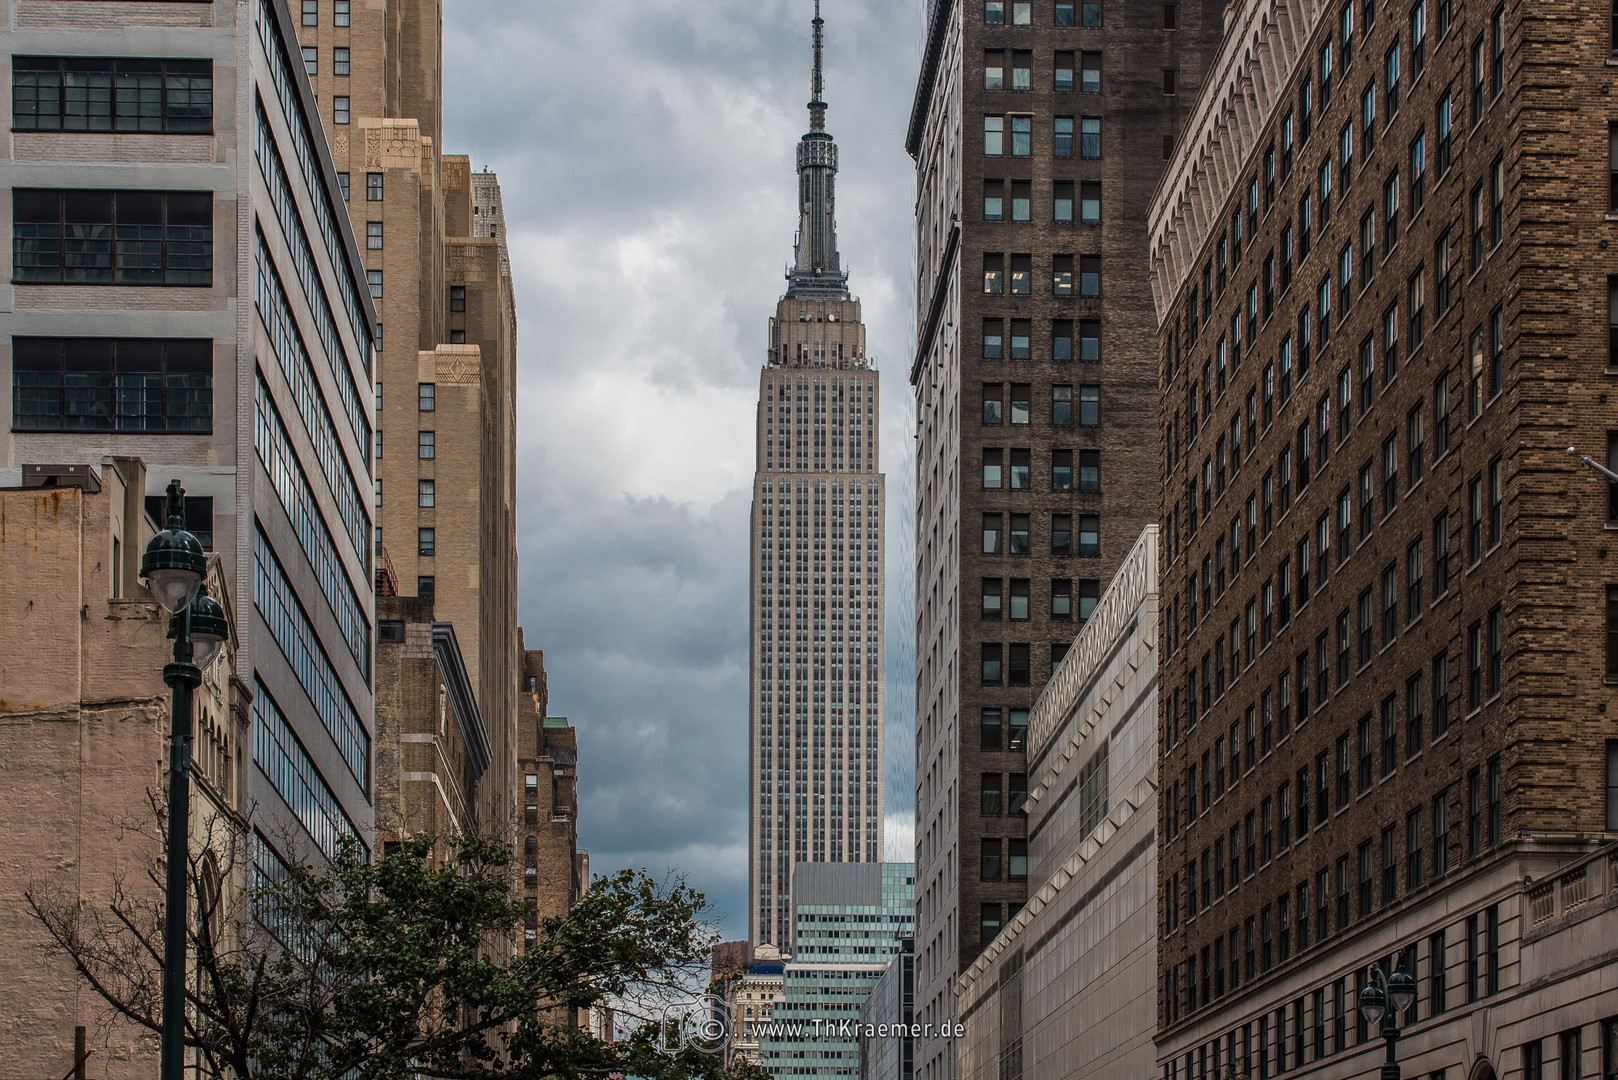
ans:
(817, 86)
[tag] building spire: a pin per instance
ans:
(817, 271)
(817, 85)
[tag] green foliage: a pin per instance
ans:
(403, 967)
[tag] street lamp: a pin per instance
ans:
(1384, 1000)
(1612, 477)
(173, 568)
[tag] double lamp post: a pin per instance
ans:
(173, 568)
(1384, 1001)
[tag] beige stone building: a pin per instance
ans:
(816, 693)
(432, 749)
(445, 448)
(84, 742)
(1067, 988)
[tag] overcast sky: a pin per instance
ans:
(646, 155)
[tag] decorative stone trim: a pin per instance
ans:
(1239, 98)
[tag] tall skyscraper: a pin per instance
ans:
(1390, 634)
(1038, 131)
(445, 402)
(816, 692)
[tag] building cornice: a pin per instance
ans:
(458, 687)
(937, 22)
(1261, 49)
(1135, 580)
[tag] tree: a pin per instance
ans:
(393, 968)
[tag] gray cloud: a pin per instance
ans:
(645, 151)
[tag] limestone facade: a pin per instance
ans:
(1067, 989)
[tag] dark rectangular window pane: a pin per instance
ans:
(151, 385)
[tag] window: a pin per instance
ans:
(1022, 129)
(1089, 406)
(112, 237)
(1019, 534)
(150, 385)
(311, 13)
(1533, 1054)
(373, 280)
(992, 534)
(426, 448)
(989, 860)
(1572, 1054)
(1022, 13)
(1496, 503)
(1413, 848)
(988, 923)
(426, 587)
(1445, 123)
(340, 12)
(993, 464)
(1089, 533)
(1090, 202)
(425, 493)
(342, 185)
(1441, 834)
(112, 94)
(1020, 338)
(1089, 470)
(457, 297)
(424, 542)
(1089, 73)
(339, 110)
(1171, 82)
(1612, 799)
(373, 236)
(311, 60)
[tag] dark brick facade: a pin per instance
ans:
(555, 872)
(1329, 675)
(1147, 76)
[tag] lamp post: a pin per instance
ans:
(1384, 1000)
(1612, 477)
(173, 568)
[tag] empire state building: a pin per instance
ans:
(816, 687)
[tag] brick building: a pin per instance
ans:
(1381, 269)
(84, 740)
(555, 871)
(445, 397)
(1038, 130)
(432, 749)
(184, 289)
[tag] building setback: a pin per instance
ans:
(1038, 130)
(816, 692)
(445, 399)
(1068, 987)
(1385, 298)
(183, 288)
(849, 921)
(556, 871)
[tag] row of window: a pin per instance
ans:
(1062, 13)
(292, 356)
(995, 345)
(1020, 126)
(1015, 605)
(339, 60)
(1071, 70)
(995, 851)
(112, 94)
(1020, 411)
(339, 15)
(1063, 203)
(1063, 280)
(148, 385)
(1010, 665)
(112, 237)
(278, 604)
(280, 461)
(1299, 1032)
(997, 540)
(295, 777)
(1020, 475)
